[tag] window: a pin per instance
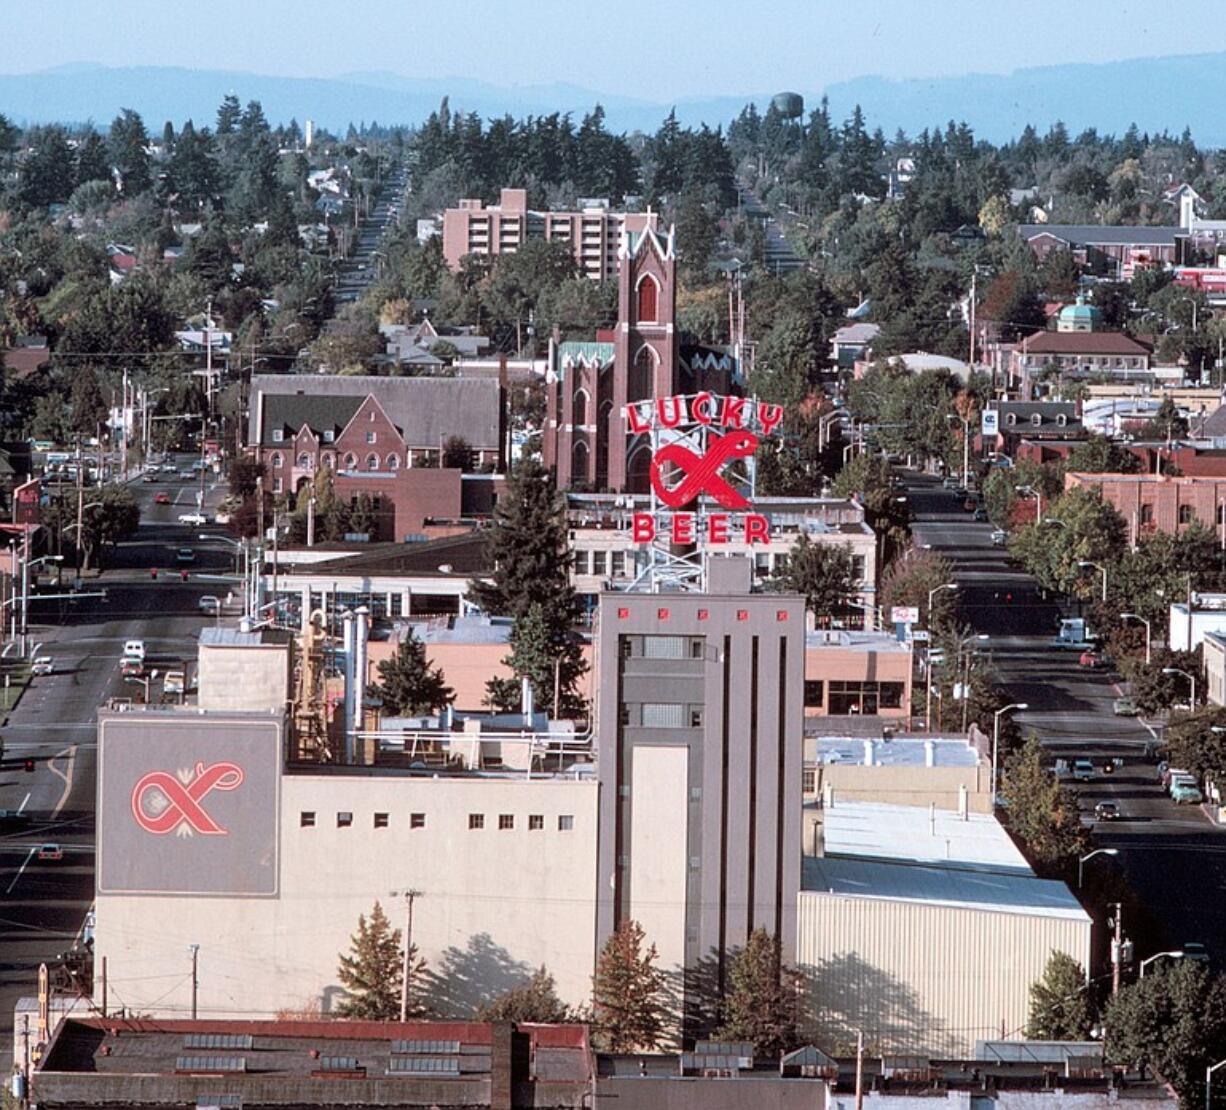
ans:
(1185, 514)
(623, 715)
(1010, 418)
(697, 648)
(328, 461)
(380, 820)
(306, 819)
(278, 434)
(351, 461)
(578, 410)
(808, 780)
(664, 647)
(476, 820)
(695, 718)
(276, 485)
(864, 697)
(506, 820)
(329, 435)
(417, 820)
(814, 689)
(372, 462)
(304, 461)
(648, 300)
(344, 819)
(277, 460)
(600, 563)
(393, 462)
(663, 715)
(1147, 514)
(858, 567)
(371, 437)
(1036, 418)
(566, 822)
(536, 822)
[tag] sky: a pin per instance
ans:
(658, 49)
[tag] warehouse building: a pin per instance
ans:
(925, 929)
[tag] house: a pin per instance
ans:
(1074, 354)
(1115, 250)
(850, 343)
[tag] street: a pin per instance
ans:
(43, 902)
(1171, 857)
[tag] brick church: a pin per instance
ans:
(586, 440)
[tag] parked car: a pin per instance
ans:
(132, 668)
(981, 515)
(1124, 707)
(161, 499)
(1183, 792)
(195, 517)
(1106, 811)
(1083, 770)
(1092, 659)
(185, 555)
(1196, 952)
(149, 476)
(175, 682)
(1000, 537)
(44, 664)
(169, 468)
(134, 649)
(949, 483)
(50, 852)
(187, 472)
(1169, 774)
(209, 603)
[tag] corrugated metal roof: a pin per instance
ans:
(969, 887)
(1098, 235)
(890, 753)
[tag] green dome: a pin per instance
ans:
(1079, 317)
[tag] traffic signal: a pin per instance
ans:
(28, 766)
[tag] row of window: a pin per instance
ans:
(308, 819)
(328, 460)
(854, 697)
(661, 715)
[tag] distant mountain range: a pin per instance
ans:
(1155, 93)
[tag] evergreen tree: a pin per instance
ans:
(546, 655)
(372, 972)
(1060, 1005)
(824, 573)
(93, 159)
(534, 1001)
(48, 174)
(228, 115)
(408, 685)
(128, 141)
(628, 993)
(763, 1004)
(88, 406)
(193, 168)
(457, 452)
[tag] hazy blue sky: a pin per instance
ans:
(658, 49)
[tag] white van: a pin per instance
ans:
(134, 649)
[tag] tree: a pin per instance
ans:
(824, 573)
(547, 655)
(88, 406)
(1193, 744)
(112, 515)
(1151, 687)
(128, 141)
(372, 972)
(1040, 809)
(408, 685)
(48, 173)
(914, 581)
(763, 1002)
(534, 1001)
(245, 472)
(1061, 1008)
(1174, 1020)
(457, 453)
(1098, 455)
(628, 993)
(1089, 530)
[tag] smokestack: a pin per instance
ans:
(869, 753)
(526, 703)
(347, 625)
(930, 753)
(360, 636)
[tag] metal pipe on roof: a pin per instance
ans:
(347, 651)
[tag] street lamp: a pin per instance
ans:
(1175, 954)
(1134, 617)
(1209, 1082)
(1097, 566)
(1037, 495)
(1191, 680)
(996, 741)
(932, 593)
(1090, 856)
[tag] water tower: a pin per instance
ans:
(789, 105)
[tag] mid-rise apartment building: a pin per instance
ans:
(593, 231)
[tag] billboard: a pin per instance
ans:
(188, 804)
(989, 424)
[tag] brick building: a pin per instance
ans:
(378, 436)
(586, 441)
(1154, 503)
(593, 232)
(1075, 354)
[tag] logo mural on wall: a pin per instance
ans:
(712, 432)
(163, 803)
(189, 804)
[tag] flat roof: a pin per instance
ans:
(909, 752)
(849, 638)
(944, 884)
(874, 830)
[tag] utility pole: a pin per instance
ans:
(974, 279)
(311, 521)
(1117, 949)
(195, 949)
(409, 896)
(859, 1069)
